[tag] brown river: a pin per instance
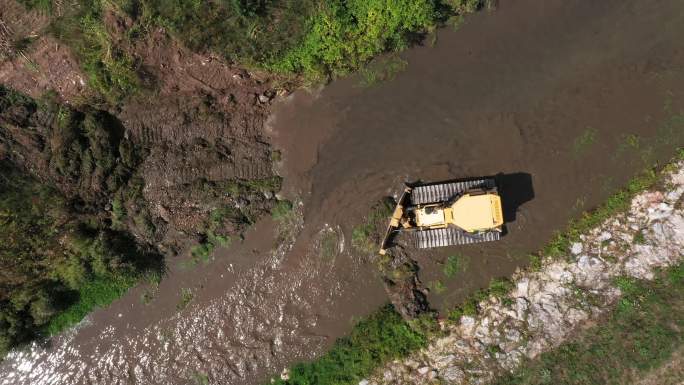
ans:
(564, 99)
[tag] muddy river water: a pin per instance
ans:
(565, 99)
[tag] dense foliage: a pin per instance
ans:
(318, 39)
(381, 337)
(54, 268)
(61, 254)
(644, 330)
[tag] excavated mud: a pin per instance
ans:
(566, 99)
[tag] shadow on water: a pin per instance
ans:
(515, 190)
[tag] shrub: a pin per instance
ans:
(381, 337)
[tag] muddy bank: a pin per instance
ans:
(546, 307)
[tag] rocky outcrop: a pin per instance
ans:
(546, 306)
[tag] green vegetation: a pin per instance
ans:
(281, 210)
(186, 297)
(61, 253)
(498, 287)
(381, 337)
(110, 69)
(43, 5)
(454, 265)
(199, 378)
(364, 237)
(226, 219)
(640, 334)
(56, 269)
(583, 142)
(328, 245)
(314, 38)
(382, 70)
(438, 286)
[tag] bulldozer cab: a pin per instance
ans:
(477, 212)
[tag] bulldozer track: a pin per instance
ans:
(451, 237)
(445, 191)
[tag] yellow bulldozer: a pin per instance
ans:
(447, 214)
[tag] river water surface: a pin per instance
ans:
(565, 99)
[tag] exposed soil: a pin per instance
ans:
(545, 94)
(44, 64)
(197, 126)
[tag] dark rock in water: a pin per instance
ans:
(404, 289)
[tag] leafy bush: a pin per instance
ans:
(55, 269)
(344, 35)
(375, 340)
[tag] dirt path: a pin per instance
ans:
(547, 94)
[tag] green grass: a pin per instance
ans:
(640, 334)
(583, 143)
(454, 264)
(373, 341)
(186, 296)
(382, 70)
(365, 236)
(96, 293)
(109, 69)
(282, 210)
(618, 202)
(329, 245)
(42, 5)
(498, 287)
(438, 286)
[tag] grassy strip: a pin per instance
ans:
(96, 293)
(314, 38)
(618, 202)
(110, 70)
(641, 334)
(381, 337)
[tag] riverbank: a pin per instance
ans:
(569, 290)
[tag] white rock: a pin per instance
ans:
(363, 382)
(453, 374)
(423, 370)
(604, 236)
(576, 248)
